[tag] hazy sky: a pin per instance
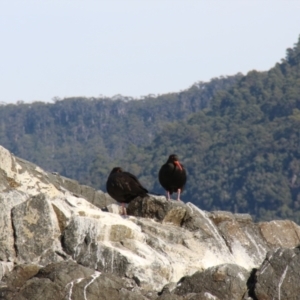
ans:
(136, 47)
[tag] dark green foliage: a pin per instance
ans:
(83, 138)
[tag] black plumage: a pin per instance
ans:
(172, 176)
(124, 186)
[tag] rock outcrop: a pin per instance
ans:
(62, 240)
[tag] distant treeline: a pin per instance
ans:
(67, 136)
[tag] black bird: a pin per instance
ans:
(172, 176)
(124, 187)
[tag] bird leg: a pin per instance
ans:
(178, 194)
(124, 212)
(168, 196)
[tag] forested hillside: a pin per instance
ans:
(68, 135)
(243, 152)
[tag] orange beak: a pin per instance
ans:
(177, 163)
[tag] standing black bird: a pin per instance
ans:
(124, 187)
(172, 176)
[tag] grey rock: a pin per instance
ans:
(66, 280)
(234, 235)
(20, 274)
(167, 296)
(278, 276)
(71, 185)
(56, 243)
(36, 231)
(102, 199)
(239, 231)
(280, 233)
(7, 202)
(158, 208)
(5, 267)
(223, 282)
(98, 198)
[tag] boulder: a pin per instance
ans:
(36, 231)
(278, 276)
(66, 280)
(58, 242)
(223, 282)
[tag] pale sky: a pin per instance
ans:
(89, 48)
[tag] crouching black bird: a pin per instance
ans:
(124, 187)
(172, 176)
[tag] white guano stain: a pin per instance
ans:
(281, 281)
(94, 277)
(71, 287)
(112, 259)
(241, 276)
(213, 228)
(210, 296)
(260, 250)
(264, 268)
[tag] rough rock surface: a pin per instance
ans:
(66, 280)
(226, 281)
(56, 243)
(278, 276)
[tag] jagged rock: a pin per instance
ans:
(168, 296)
(36, 231)
(7, 202)
(223, 282)
(98, 198)
(234, 236)
(157, 208)
(278, 276)
(280, 233)
(19, 174)
(242, 236)
(66, 280)
(20, 274)
(5, 267)
(46, 221)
